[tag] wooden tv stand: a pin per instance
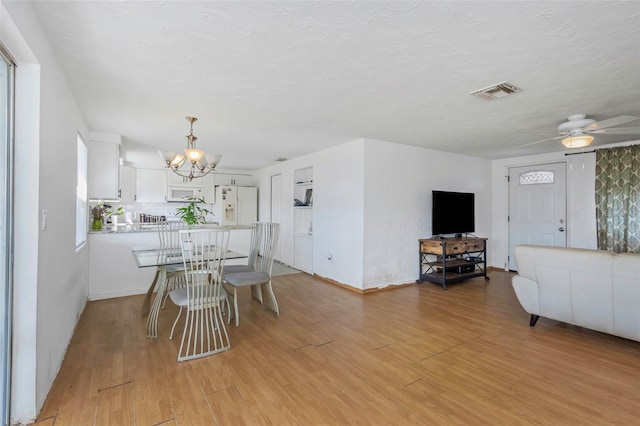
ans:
(451, 260)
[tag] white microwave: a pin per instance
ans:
(177, 193)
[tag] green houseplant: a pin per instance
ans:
(193, 213)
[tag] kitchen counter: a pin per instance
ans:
(112, 268)
(122, 228)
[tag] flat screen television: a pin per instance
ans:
(452, 213)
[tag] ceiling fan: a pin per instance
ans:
(577, 130)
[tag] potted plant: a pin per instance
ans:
(113, 214)
(97, 215)
(193, 213)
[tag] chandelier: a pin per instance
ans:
(201, 164)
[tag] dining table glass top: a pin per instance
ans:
(154, 256)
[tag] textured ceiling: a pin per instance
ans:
(281, 79)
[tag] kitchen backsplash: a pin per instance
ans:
(167, 210)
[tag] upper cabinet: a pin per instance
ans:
(127, 184)
(103, 166)
(228, 179)
(151, 186)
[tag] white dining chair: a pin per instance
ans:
(204, 333)
(170, 239)
(260, 278)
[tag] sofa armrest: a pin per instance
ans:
(527, 293)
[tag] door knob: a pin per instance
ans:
(561, 229)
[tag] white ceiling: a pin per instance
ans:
(281, 79)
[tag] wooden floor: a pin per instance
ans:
(413, 355)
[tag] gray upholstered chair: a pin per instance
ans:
(203, 253)
(256, 228)
(260, 278)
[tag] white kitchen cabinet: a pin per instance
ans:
(103, 170)
(151, 186)
(228, 179)
(127, 184)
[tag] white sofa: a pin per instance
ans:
(595, 289)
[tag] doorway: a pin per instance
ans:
(276, 210)
(537, 206)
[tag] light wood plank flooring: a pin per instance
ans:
(413, 355)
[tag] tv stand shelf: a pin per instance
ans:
(451, 260)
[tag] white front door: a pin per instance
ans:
(537, 206)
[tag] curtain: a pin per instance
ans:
(618, 199)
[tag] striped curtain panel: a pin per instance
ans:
(618, 199)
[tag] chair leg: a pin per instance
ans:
(268, 289)
(256, 293)
(174, 323)
(166, 295)
(228, 310)
(235, 305)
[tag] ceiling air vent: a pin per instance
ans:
(496, 91)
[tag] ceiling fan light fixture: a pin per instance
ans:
(577, 141)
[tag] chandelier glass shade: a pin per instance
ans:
(577, 141)
(198, 163)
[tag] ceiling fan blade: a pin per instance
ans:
(617, 131)
(540, 141)
(610, 122)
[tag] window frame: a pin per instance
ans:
(82, 197)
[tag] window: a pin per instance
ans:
(81, 194)
(536, 178)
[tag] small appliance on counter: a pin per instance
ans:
(129, 217)
(149, 218)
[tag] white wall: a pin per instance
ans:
(338, 213)
(398, 184)
(338, 175)
(58, 289)
(372, 202)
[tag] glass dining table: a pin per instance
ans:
(161, 258)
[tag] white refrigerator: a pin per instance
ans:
(236, 205)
